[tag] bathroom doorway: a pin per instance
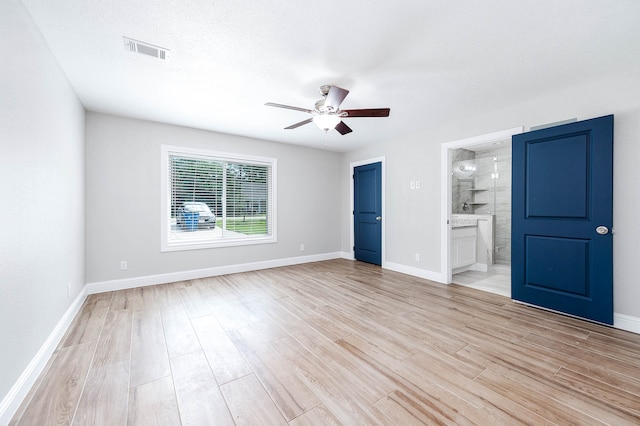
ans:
(477, 209)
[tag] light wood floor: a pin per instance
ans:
(335, 342)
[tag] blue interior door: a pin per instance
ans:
(562, 215)
(367, 213)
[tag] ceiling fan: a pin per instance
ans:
(327, 113)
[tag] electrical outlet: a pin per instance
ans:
(301, 247)
(417, 257)
(123, 265)
(417, 184)
(412, 184)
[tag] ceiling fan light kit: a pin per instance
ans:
(326, 121)
(327, 114)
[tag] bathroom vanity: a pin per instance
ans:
(463, 246)
(472, 239)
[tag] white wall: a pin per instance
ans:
(41, 193)
(413, 217)
(123, 199)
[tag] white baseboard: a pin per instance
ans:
(126, 283)
(19, 390)
(480, 267)
(11, 402)
(348, 256)
(626, 322)
(416, 272)
(620, 321)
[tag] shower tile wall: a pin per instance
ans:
(481, 178)
(461, 181)
(487, 162)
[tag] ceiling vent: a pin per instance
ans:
(145, 48)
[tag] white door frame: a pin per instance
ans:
(353, 165)
(445, 191)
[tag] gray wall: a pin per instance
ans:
(462, 181)
(42, 192)
(413, 220)
(123, 199)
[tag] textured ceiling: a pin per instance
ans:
(429, 61)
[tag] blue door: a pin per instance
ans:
(562, 215)
(367, 213)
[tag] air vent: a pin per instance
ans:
(145, 48)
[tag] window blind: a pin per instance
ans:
(237, 192)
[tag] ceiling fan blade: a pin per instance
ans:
(343, 129)
(371, 112)
(335, 97)
(302, 123)
(271, 104)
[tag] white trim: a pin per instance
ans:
(127, 283)
(27, 379)
(416, 272)
(352, 166)
(347, 255)
(480, 267)
(445, 190)
(626, 322)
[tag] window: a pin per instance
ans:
(212, 199)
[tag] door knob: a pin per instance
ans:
(378, 218)
(602, 230)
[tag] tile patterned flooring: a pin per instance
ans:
(331, 343)
(496, 280)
